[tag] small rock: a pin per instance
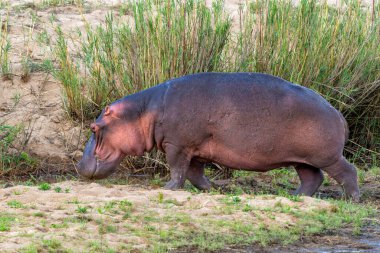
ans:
(56, 119)
(76, 155)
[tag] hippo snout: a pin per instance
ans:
(88, 164)
(92, 168)
(85, 172)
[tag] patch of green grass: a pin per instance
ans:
(16, 192)
(105, 227)
(60, 225)
(160, 197)
(55, 3)
(115, 207)
(126, 207)
(11, 161)
(74, 201)
(15, 204)
(46, 245)
(39, 214)
(374, 171)
(241, 173)
(81, 219)
(99, 246)
(157, 181)
(232, 200)
(44, 187)
(52, 245)
(6, 221)
(31, 248)
(81, 209)
(125, 204)
(57, 189)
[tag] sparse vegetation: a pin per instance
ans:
(56, 3)
(57, 189)
(5, 46)
(5, 222)
(11, 158)
(15, 204)
(39, 214)
(81, 209)
(44, 186)
(168, 222)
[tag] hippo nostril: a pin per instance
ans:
(93, 127)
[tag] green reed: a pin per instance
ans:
(5, 47)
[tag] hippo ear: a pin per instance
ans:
(107, 111)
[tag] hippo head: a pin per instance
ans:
(115, 133)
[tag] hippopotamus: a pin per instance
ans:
(249, 121)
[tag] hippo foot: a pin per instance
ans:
(353, 196)
(204, 184)
(173, 185)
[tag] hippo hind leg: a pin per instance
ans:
(311, 178)
(196, 176)
(345, 174)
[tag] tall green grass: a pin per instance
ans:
(5, 47)
(333, 50)
(161, 42)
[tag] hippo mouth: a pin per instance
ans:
(92, 167)
(102, 169)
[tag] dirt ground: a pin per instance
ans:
(75, 216)
(59, 207)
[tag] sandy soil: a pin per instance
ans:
(48, 215)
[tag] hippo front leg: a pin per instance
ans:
(179, 164)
